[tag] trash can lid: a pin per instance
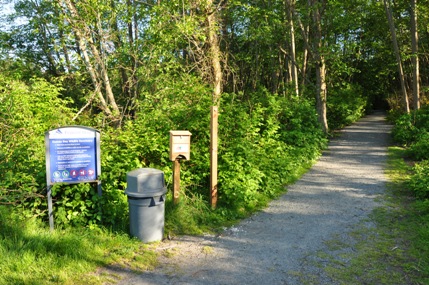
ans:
(146, 195)
(145, 182)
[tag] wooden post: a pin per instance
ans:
(50, 210)
(213, 155)
(176, 181)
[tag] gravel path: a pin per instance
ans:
(280, 244)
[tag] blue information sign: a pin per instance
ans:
(72, 155)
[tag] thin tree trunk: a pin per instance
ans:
(415, 58)
(304, 32)
(92, 73)
(83, 34)
(65, 50)
(397, 54)
(294, 69)
(118, 45)
(321, 93)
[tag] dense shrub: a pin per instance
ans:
(345, 105)
(419, 150)
(412, 130)
(419, 181)
(404, 131)
(27, 111)
(263, 146)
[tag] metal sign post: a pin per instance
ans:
(72, 156)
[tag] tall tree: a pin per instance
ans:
(93, 54)
(415, 55)
(319, 58)
(388, 8)
(290, 6)
(215, 60)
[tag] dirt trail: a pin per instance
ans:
(279, 244)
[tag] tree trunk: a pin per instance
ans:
(290, 5)
(397, 54)
(304, 32)
(99, 72)
(214, 57)
(321, 93)
(415, 58)
(89, 66)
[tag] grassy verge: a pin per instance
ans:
(392, 246)
(31, 254)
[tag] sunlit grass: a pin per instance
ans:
(32, 254)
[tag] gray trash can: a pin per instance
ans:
(146, 201)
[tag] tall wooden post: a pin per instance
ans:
(50, 210)
(213, 155)
(176, 181)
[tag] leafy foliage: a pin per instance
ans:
(412, 131)
(76, 205)
(419, 181)
(345, 106)
(264, 145)
(27, 111)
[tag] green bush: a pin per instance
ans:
(144, 142)
(419, 150)
(76, 205)
(345, 106)
(409, 128)
(27, 111)
(419, 181)
(264, 146)
(412, 130)
(404, 130)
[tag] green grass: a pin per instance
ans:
(392, 245)
(31, 254)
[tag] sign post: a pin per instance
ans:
(180, 148)
(72, 156)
